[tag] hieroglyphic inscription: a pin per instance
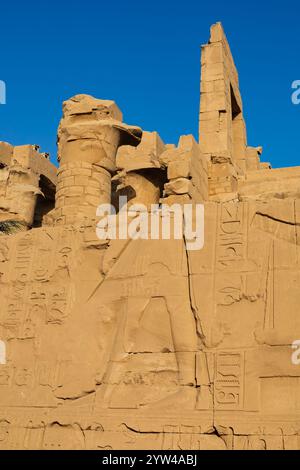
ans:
(43, 373)
(31, 298)
(230, 243)
(229, 380)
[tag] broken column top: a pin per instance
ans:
(146, 155)
(86, 111)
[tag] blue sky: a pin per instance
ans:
(146, 56)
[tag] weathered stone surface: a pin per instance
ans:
(146, 155)
(143, 343)
(27, 184)
(89, 135)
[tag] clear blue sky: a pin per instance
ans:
(146, 56)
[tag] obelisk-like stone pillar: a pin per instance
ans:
(89, 135)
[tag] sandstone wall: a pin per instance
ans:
(27, 184)
(145, 344)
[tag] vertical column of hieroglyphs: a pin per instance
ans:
(230, 256)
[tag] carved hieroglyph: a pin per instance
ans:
(142, 344)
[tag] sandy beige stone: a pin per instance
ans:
(27, 184)
(142, 343)
(89, 135)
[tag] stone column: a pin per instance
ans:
(222, 127)
(89, 135)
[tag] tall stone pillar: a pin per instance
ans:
(222, 139)
(89, 135)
